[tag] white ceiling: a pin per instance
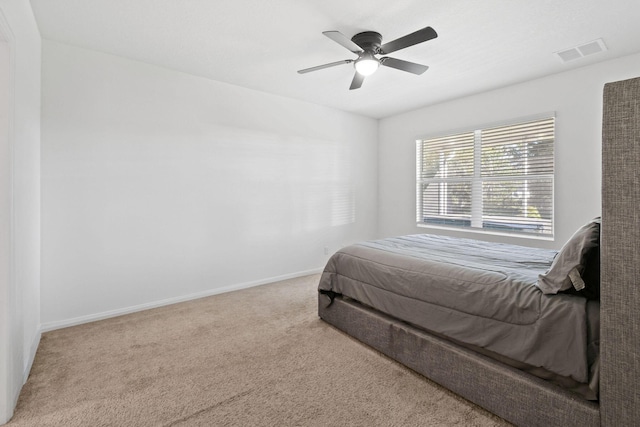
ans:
(260, 44)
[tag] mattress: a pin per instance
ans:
(480, 294)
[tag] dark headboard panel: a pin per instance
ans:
(620, 246)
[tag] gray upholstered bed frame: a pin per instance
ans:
(512, 394)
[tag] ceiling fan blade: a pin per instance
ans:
(419, 36)
(320, 67)
(357, 81)
(343, 40)
(399, 64)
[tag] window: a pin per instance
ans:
(495, 179)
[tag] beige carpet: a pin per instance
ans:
(256, 357)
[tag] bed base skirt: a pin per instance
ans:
(516, 396)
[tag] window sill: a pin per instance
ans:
(487, 231)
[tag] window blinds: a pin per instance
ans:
(499, 178)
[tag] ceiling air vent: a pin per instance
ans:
(581, 51)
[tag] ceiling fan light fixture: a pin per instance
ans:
(367, 64)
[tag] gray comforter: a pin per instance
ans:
(479, 293)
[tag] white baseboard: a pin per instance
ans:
(59, 324)
(32, 355)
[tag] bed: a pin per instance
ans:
(521, 350)
(478, 294)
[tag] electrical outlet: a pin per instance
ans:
(326, 250)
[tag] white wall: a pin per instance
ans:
(576, 98)
(158, 185)
(19, 199)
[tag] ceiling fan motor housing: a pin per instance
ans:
(369, 41)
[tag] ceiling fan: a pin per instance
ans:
(369, 44)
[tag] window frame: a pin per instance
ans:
(475, 222)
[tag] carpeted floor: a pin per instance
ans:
(256, 357)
